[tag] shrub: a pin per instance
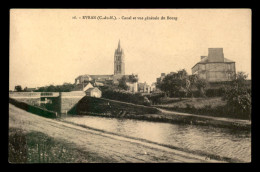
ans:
(215, 92)
(136, 98)
(238, 96)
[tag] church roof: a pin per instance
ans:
(102, 77)
(85, 76)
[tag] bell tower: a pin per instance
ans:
(119, 61)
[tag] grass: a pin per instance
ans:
(36, 147)
(214, 106)
(193, 102)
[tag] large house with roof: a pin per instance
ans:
(215, 67)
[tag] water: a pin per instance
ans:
(218, 141)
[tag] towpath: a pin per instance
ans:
(238, 121)
(115, 148)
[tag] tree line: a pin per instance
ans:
(66, 87)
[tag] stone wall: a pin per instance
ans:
(69, 99)
(24, 95)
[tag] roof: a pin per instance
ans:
(142, 84)
(206, 60)
(79, 87)
(85, 76)
(102, 77)
(91, 89)
(98, 84)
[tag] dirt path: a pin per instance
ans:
(109, 146)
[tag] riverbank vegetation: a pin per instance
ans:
(36, 147)
(232, 100)
(107, 106)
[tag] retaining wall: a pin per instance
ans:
(68, 100)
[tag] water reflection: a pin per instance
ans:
(224, 142)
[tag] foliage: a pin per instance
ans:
(136, 98)
(18, 88)
(201, 85)
(122, 83)
(173, 84)
(66, 87)
(37, 147)
(156, 98)
(133, 78)
(238, 96)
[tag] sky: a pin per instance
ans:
(50, 46)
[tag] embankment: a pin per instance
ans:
(111, 108)
(33, 109)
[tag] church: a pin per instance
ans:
(99, 80)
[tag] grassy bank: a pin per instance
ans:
(116, 108)
(215, 107)
(36, 147)
(175, 119)
(33, 109)
(113, 109)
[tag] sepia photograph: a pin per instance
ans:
(130, 86)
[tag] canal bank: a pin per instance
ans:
(112, 148)
(194, 139)
(223, 144)
(117, 109)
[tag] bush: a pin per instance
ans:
(238, 96)
(215, 92)
(136, 98)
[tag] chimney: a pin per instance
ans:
(216, 55)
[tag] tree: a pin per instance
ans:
(133, 78)
(122, 83)
(18, 88)
(191, 80)
(173, 83)
(238, 95)
(201, 85)
(25, 89)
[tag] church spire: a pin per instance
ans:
(119, 45)
(119, 62)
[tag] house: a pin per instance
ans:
(93, 92)
(153, 87)
(161, 77)
(82, 78)
(144, 88)
(132, 86)
(215, 67)
(98, 84)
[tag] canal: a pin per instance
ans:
(224, 142)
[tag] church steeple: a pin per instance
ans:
(119, 62)
(119, 45)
